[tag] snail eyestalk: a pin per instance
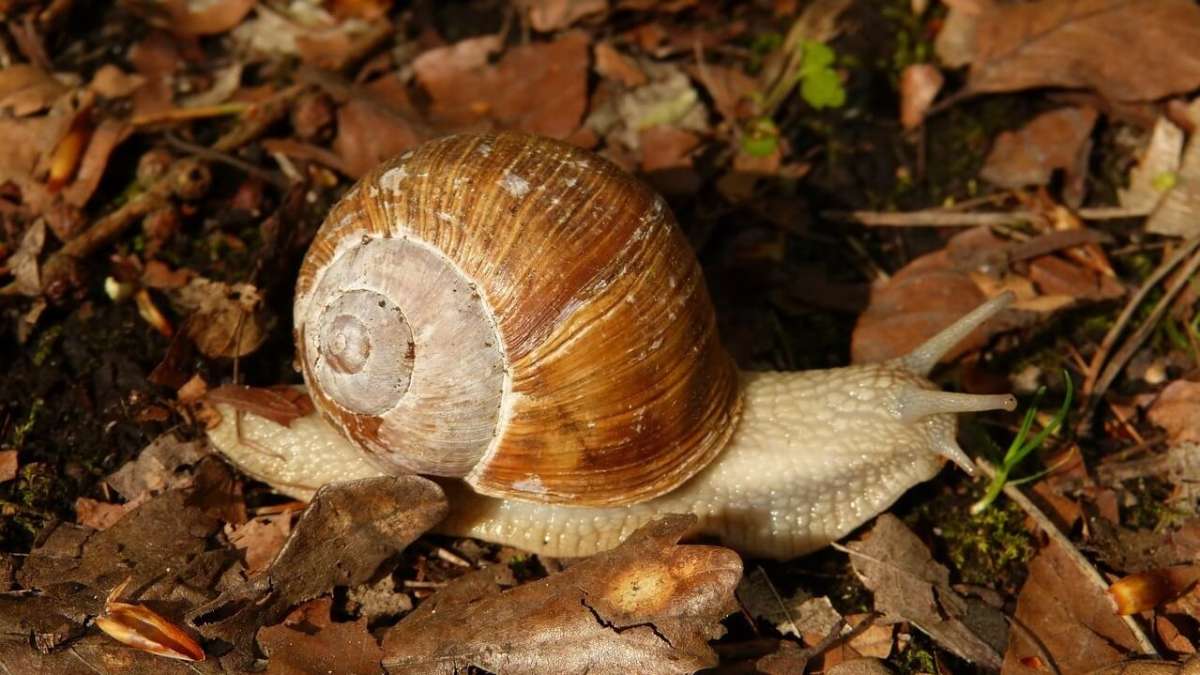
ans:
(922, 360)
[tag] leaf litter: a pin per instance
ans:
(162, 169)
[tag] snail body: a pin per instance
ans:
(522, 315)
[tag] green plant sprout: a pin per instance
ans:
(1022, 445)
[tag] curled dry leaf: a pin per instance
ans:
(648, 606)
(282, 405)
(1029, 156)
(100, 515)
(1146, 590)
(142, 628)
(919, 86)
(1071, 619)
(1124, 49)
(909, 584)
(225, 320)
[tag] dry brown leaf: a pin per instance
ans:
(800, 615)
(158, 467)
(919, 86)
(1058, 139)
(308, 642)
(282, 405)
(367, 135)
(110, 81)
(100, 515)
(731, 89)
(1175, 411)
(23, 263)
(225, 320)
(548, 16)
(260, 539)
(648, 606)
(194, 17)
(27, 89)
(665, 147)
(1178, 211)
(908, 584)
(348, 530)
(1056, 276)
(1126, 50)
(1069, 616)
(9, 463)
(540, 87)
(668, 99)
(614, 65)
(924, 297)
(106, 137)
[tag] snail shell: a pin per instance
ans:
(520, 313)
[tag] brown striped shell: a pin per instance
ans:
(520, 313)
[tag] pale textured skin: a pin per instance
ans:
(815, 454)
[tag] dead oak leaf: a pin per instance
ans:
(648, 606)
(1055, 140)
(909, 584)
(309, 642)
(1070, 617)
(1127, 50)
(1175, 412)
(540, 87)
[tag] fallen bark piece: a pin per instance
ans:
(648, 606)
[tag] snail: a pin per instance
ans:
(526, 320)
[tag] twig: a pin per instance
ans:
(1089, 571)
(226, 158)
(60, 267)
(1110, 339)
(1134, 342)
(950, 218)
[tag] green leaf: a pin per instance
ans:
(817, 56)
(760, 137)
(823, 89)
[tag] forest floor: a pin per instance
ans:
(853, 176)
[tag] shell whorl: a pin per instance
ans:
(549, 335)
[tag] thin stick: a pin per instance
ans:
(1134, 342)
(948, 218)
(1089, 571)
(1110, 339)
